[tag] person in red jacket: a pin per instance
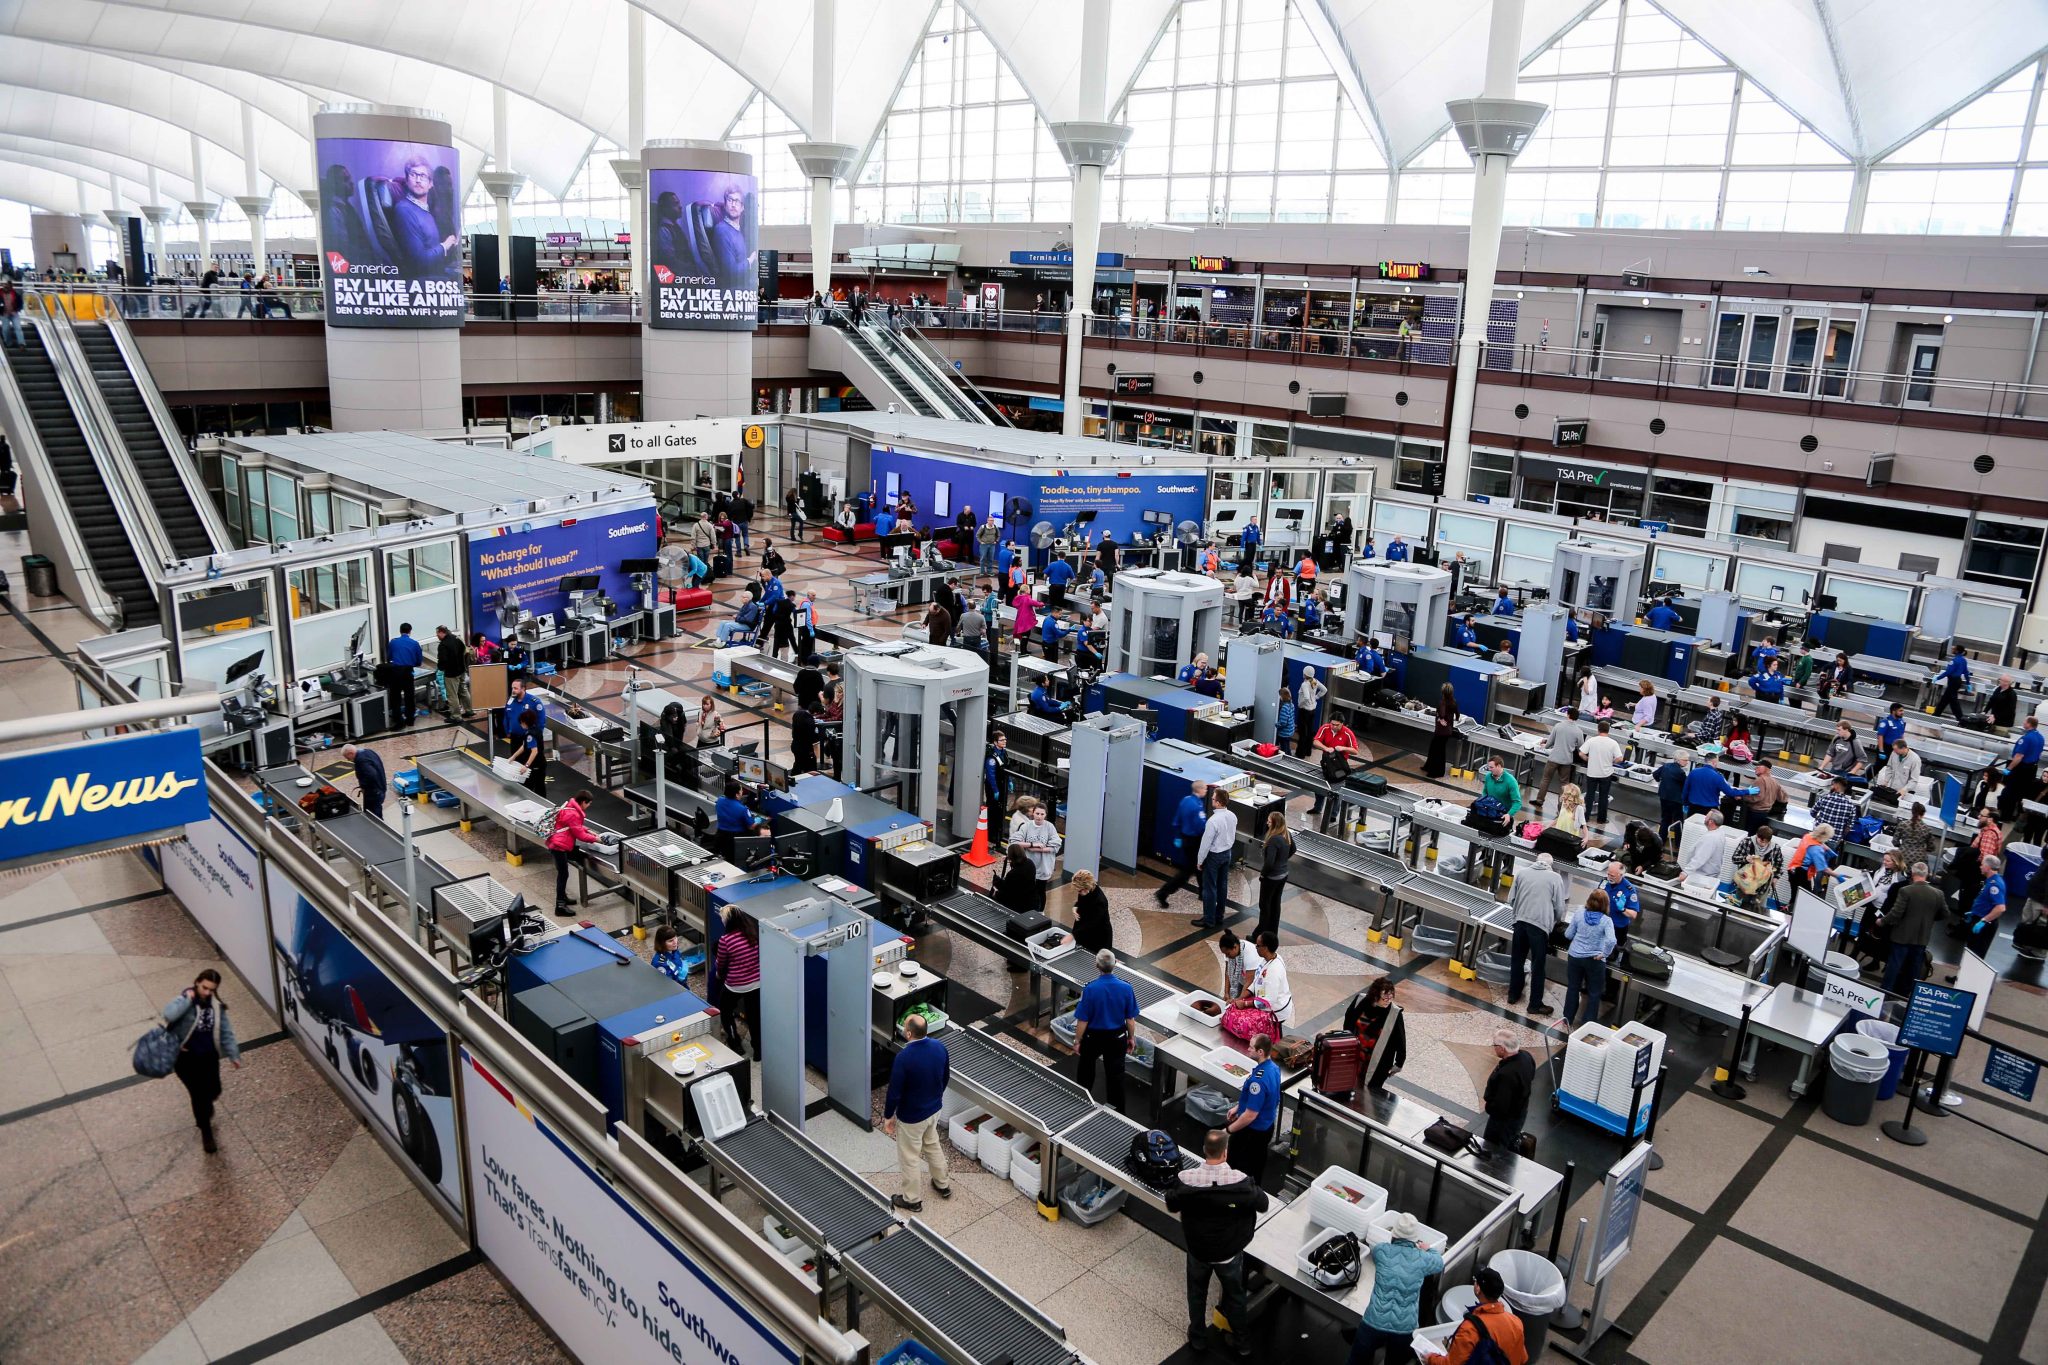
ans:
(569, 831)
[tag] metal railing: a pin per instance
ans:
(1818, 382)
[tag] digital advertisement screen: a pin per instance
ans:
(391, 228)
(704, 233)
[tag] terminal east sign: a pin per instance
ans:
(90, 797)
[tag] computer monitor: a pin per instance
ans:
(639, 566)
(355, 641)
(1825, 602)
(752, 851)
(579, 582)
(242, 668)
(752, 771)
(776, 776)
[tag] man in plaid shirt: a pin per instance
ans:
(1833, 807)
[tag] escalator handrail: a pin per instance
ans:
(203, 505)
(31, 458)
(974, 392)
(109, 452)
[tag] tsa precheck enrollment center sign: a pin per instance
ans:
(91, 797)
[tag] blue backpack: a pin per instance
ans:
(1155, 1158)
(1485, 1351)
(1865, 829)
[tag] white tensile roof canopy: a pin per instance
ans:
(109, 88)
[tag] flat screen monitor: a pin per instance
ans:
(580, 582)
(777, 776)
(242, 668)
(752, 771)
(752, 851)
(639, 566)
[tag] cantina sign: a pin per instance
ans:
(1405, 270)
(1210, 265)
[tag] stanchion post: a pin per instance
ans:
(1564, 1201)
(1725, 1085)
(1902, 1130)
(1936, 1088)
(1570, 1317)
(1656, 1103)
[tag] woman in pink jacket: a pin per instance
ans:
(569, 831)
(1027, 620)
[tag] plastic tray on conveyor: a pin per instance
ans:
(1031, 1090)
(983, 1319)
(1076, 968)
(1376, 868)
(841, 1207)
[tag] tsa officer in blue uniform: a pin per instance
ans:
(1397, 551)
(405, 655)
(1505, 605)
(1663, 616)
(1102, 1028)
(1257, 1114)
(1953, 679)
(1891, 727)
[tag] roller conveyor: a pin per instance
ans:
(804, 1186)
(1076, 968)
(1376, 869)
(1448, 897)
(1105, 1138)
(975, 911)
(945, 1295)
(1006, 1080)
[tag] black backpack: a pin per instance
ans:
(1155, 1158)
(1485, 1351)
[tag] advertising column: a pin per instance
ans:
(391, 267)
(702, 289)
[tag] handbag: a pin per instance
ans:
(156, 1053)
(1246, 1022)
(1450, 1138)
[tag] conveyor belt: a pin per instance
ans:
(1434, 892)
(978, 910)
(1106, 1136)
(1076, 967)
(1376, 868)
(1050, 1102)
(845, 1211)
(983, 1320)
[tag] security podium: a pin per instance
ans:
(917, 715)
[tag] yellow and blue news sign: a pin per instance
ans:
(95, 795)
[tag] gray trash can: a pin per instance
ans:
(39, 575)
(1888, 1034)
(1534, 1289)
(1856, 1068)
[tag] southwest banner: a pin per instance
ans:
(88, 798)
(530, 560)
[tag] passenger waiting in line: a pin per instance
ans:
(1591, 932)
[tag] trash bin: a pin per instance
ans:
(1535, 1289)
(39, 575)
(1856, 1065)
(1888, 1034)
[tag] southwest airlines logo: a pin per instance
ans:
(635, 529)
(56, 799)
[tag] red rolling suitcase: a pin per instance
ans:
(1339, 1062)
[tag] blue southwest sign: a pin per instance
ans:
(84, 795)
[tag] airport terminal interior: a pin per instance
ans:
(1024, 682)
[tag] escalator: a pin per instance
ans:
(883, 373)
(963, 395)
(155, 461)
(83, 486)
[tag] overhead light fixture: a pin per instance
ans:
(1754, 270)
(1551, 232)
(1948, 317)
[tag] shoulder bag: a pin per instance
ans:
(156, 1052)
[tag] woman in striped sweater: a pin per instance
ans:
(739, 976)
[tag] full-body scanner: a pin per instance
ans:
(1397, 602)
(918, 714)
(1160, 619)
(1599, 577)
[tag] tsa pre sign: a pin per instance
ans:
(86, 795)
(597, 1272)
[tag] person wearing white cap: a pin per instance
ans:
(1400, 1268)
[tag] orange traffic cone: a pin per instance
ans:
(978, 855)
